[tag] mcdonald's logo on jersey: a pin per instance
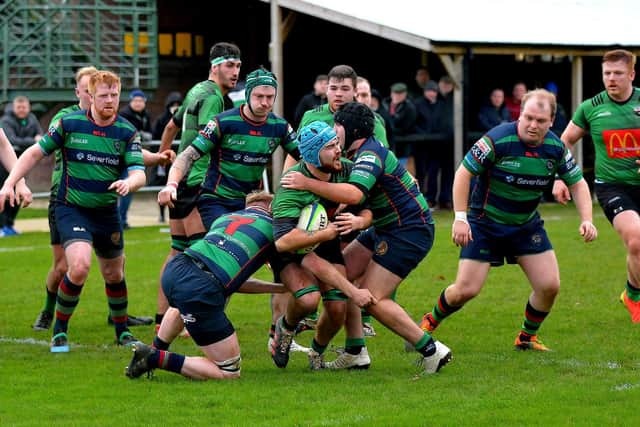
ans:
(622, 143)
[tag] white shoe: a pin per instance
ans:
(437, 360)
(367, 330)
(297, 347)
(351, 361)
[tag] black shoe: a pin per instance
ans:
(43, 322)
(140, 361)
(134, 320)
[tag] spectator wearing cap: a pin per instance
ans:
(135, 111)
(317, 96)
(494, 112)
(403, 118)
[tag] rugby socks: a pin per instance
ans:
(50, 301)
(633, 293)
(532, 321)
(66, 302)
(442, 309)
(318, 348)
(353, 345)
(159, 344)
(117, 299)
(166, 360)
(366, 317)
(272, 330)
(426, 346)
(286, 324)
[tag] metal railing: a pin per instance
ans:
(44, 42)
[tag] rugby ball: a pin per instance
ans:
(313, 217)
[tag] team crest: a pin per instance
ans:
(80, 156)
(116, 237)
(116, 145)
(637, 110)
(271, 143)
(550, 165)
(382, 248)
(536, 239)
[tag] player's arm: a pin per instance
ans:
(162, 158)
(179, 169)
(168, 135)
(296, 238)
(21, 167)
(571, 135)
(460, 230)
(329, 275)
(342, 192)
(257, 286)
(347, 222)
(582, 199)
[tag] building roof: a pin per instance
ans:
(438, 25)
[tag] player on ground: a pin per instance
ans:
(321, 272)
(97, 146)
(202, 103)
(515, 163)
(401, 236)
(198, 281)
(612, 117)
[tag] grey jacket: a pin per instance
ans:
(21, 132)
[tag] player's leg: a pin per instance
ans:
(112, 270)
(543, 274)
(627, 224)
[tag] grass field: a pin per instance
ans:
(591, 377)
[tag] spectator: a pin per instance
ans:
(425, 152)
(422, 77)
(403, 118)
(171, 105)
(317, 96)
(513, 102)
(376, 104)
(136, 113)
(444, 146)
(23, 130)
(560, 122)
(494, 112)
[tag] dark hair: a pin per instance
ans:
(224, 49)
(341, 72)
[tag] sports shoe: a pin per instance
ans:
(428, 323)
(442, 356)
(351, 361)
(367, 329)
(9, 231)
(306, 324)
(530, 344)
(43, 322)
(127, 339)
(134, 320)
(632, 306)
(59, 343)
(316, 361)
(281, 344)
(140, 361)
(299, 348)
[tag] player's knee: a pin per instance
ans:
(309, 302)
(78, 271)
(230, 368)
(633, 246)
(460, 293)
(336, 310)
(60, 267)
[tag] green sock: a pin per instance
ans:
(633, 293)
(353, 345)
(50, 301)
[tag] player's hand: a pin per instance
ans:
(23, 194)
(348, 222)
(294, 180)
(330, 232)
(461, 232)
(166, 157)
(561, 192)
(121, 187)
(588, 231)
(168, 195)
(6, 194)
(363, 298)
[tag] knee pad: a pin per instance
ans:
(232, 366)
